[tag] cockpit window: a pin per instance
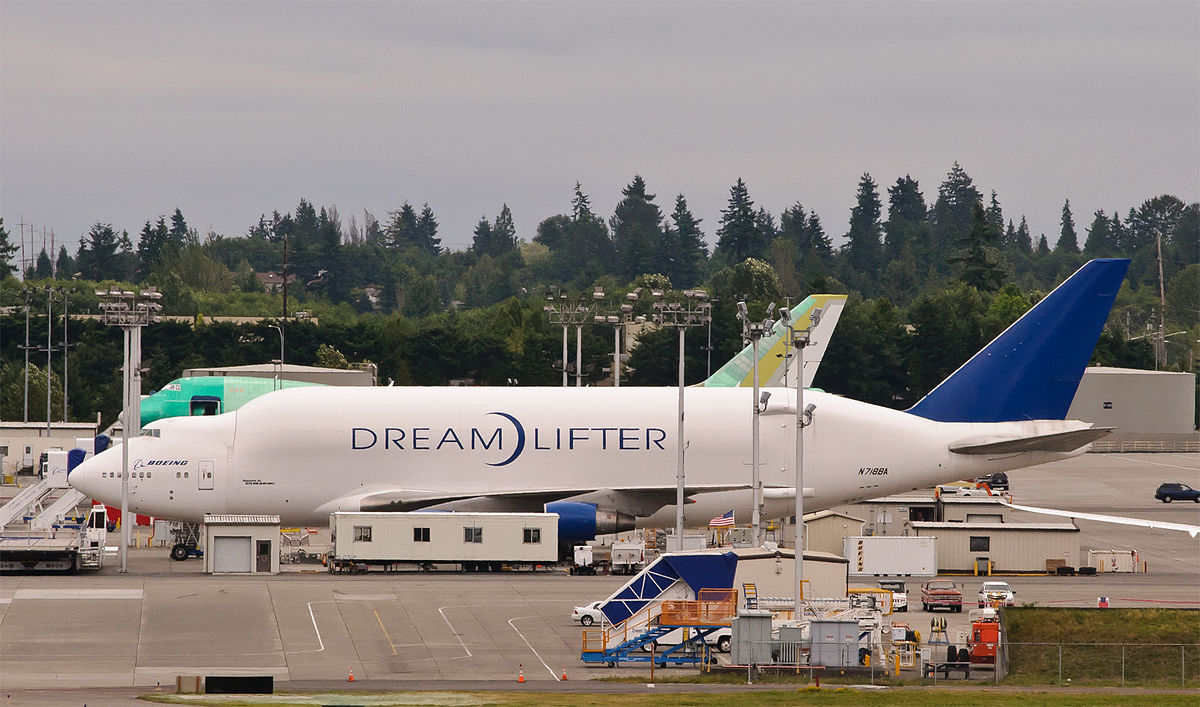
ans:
(155, 432)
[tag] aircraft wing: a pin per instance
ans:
(634, 501)
(1191, 530)
(1057, 442)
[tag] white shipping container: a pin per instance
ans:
(1114, 560)
(444, 537)
(891, 556)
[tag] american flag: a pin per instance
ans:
(722, 521)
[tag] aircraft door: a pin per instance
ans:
(205, 475)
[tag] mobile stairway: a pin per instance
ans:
(692, 591)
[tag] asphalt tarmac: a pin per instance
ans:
(111, 636)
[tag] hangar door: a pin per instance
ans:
(232, 554)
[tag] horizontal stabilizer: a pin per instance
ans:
(1057, 442)
(1192, 530)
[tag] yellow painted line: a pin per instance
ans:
(385, 634)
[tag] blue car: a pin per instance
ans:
(1176, 492)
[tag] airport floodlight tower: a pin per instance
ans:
(800, 338)
(130, 311)
(753, 330)
(620, 317)
(695, 310)
(561, 310)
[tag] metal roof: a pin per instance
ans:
(931, 525)
(228, 519)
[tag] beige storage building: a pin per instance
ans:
(824, 530)
(1011, 547)
(241, 544)
(1152, 410)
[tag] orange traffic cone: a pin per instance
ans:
(564, 677)
(520, 673)
(351, 678)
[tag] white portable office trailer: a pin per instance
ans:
(385, 538)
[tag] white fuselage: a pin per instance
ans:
(303, 453)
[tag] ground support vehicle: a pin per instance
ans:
(985, 641)
(899, 593)
(185, 539)
(941, 593)
(475, 541)
(996, 594)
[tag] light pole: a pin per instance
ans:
(561, 311)
(754, 331)
(49, 350)
(619, 318)
(65, 347)
(27, 292)
(696, 310)
(800, 339)
(131, 311)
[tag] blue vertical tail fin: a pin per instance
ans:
(1031, 371)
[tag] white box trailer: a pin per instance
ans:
(475, 540)
(891, 556)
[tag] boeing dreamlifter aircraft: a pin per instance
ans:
(604, 459)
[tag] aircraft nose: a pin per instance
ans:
(85, 477)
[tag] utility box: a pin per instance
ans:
(751, 631)
(241, 544)
(690, 543)
(628, 557)
(834, 644)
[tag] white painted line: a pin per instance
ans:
(442, 611)
(315, 629)
(78, 594)
(1172, 466)
(364, 597)
(6, 601)
(539, 655)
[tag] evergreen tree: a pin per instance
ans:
(427, 227)
(552, 232)
(981, 267)
(821, 242)
(863, 240)
(738, 236)
(153, 240)
(636, 227)
(1120, 234)
(1153, 219)
(482, 243)
(1043, 247)
(401, 229)
(179, 228)
(1010, 235)
(44, 270)
(995, 217)
(64, 264)
(504, 231)
(1099, 243)
(1024, 241)
(581, 205)
(98, 258)
(907, 223)
(1068, 242)
(952, 216)
(687, 243)
(7, 250)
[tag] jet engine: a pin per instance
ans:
(579, 522)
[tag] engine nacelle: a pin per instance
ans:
(580, 522)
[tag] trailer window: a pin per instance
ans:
(533, 536)
(472, 535)
(362, 533)
(981, 543)
(420, 535)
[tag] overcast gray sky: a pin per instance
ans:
(122, 111)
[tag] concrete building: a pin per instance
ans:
(23, 443)
(241, 544)
(1152, 410)
(1011, 547)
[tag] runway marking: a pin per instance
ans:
(442, 611)
(1172, 466)
(316, 630)
(385, 634)
(78, 594)
(539, 655)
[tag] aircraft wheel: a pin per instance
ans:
(179, 552)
